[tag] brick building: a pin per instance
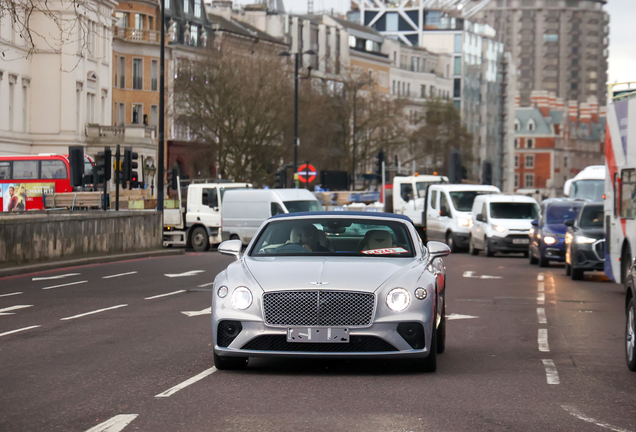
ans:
(554, 141)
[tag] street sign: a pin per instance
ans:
(306, 173)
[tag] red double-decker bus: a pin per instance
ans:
(25, 179)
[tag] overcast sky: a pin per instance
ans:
(622, 60)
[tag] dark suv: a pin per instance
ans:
(585, 241)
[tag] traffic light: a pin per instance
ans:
(455, 167)
(280, 178)
(486, 173)
(378, 169)
(103, 166)
(76, 164)
(172, 178)
(128, 168)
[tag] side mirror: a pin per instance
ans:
(534, 222)
(480, 217)
(569, 223)
(437, 249)
(231, 247)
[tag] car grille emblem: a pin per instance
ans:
(319, 283)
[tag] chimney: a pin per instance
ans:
(517, 100)
(593, 103)
(602, 112)
(222, 8)
(552, 101)
(585, 113)
(573, 110)
(559, 104)
(540, 99)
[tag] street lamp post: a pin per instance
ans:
(162, 107)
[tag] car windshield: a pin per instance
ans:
(463, 201)
(334, 237)
(588, 189)
(592, 217)
(558, 214)
(513, 210)
(302, 206)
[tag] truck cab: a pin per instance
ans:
(409, 196)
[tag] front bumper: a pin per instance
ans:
(554, 252)
(378, 340)
(589, 256)
(507, 244)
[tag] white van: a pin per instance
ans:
(245, 210)
(448, 212)
(501, 223)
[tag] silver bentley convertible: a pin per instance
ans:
(331, 284)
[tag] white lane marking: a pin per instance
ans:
(115, 424)
(541, 286)
(541, 298)
(55, 277)
(118, 275)
(579, 415)
(540, 277)
(204, 285)
(471, 274)
(543, 340)
(65, 285)
(165, 295)
(93, 312)
(11, 294)
(455, 316)
(18, 330)
(10, 308)
(188, 273)
(207, 311)
(551, 374)
(186, 383)
(541, 316)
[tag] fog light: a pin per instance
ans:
(420, 293)
(228, 331)
(413, 333)
(222, 292)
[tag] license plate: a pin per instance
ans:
(317, 335)
(520, 241)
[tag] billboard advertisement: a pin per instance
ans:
(24, 196)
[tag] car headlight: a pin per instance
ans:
(398, 299)
(568, 238)
(498, 228)
(549, 240)
(241, 298)
(462, 222)
(584, 240)
(470, 223)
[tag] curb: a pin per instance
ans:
(34, 268)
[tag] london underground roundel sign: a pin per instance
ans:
(306, 173)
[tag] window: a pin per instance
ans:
(209, 197)
(517, 125)
(392, 22)
(91, 37)
(139, 22)
(154, 115)
(516, 143)
(406, 192)
(458, 66)
(78, 105)
(550, 38)
(516, 180)
(122, 19)
(167, 3)
(516, 161)
(565, 161)
(530, 125)
(628, 194)
(415, 64)
(138, 77)
(197, 8)
(529, 180)
(443, 204)
(423, 91)
(53, 169)
(529, 161)
(194, 35)
(186, 6)
(457, 87)
(434, 199)
(105, 39)
(458, 44)
(104, 97)
(408, 89)
(5, 170)
(276, 209)
(393, 87)
(12, 81)
(25, 169)
(25, 99)
(122, 72)
(122, 114)
(137, 113)
(529, 143)
(90, 107)
(154, 75)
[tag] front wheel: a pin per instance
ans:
(429, 364)
(229, 363)
(577, 274)
(568, 269)
(630, 336)
(488, 250)
(543, 261)
(531, 258)
(451, 242)
(199, 240)
(626, 261)
(471, 247)
(441, 332)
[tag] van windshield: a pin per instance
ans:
(504, 210)
(588, 189)
(302, 206)
(463, 201)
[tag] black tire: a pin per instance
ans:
(229, 363)
(626, 262)
(577, 274)
(429, 364)
(451, 242)
(630, 335)
(568, 269)
(531, 258)
(471, 247)
(543, 262)
(199, 239)
(487, 249)
(526, 253)
(441, 332)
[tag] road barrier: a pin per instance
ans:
(34, 237)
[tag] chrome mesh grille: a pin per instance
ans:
(599, 248)
(318, 308)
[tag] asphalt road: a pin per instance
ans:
(529, 350)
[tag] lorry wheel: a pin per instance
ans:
(199, 240)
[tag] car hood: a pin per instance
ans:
(555, 229)
(598, 233)
(338, 273)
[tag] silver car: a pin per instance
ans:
(327, 284)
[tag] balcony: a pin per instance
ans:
(137, 35)
(120, 131)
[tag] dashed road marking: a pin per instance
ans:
(551, 374)
(186, 383)
(543, 340)
(455, 316)
(541, 298)
(205, 284)
(541, 316)
(471, 274)
(541, 286)
(120, 274)
(55, 277)
(207, 311)
(6, 311)
(579, 415)
(540, 277)
(185, 274)
(115, 424)
(11, 294)
(165, 295)
(65, 285)
(93, 312)
(19, 330)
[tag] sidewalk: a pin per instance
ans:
(52, 265)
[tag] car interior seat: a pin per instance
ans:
(376, 239)
(325, 242)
